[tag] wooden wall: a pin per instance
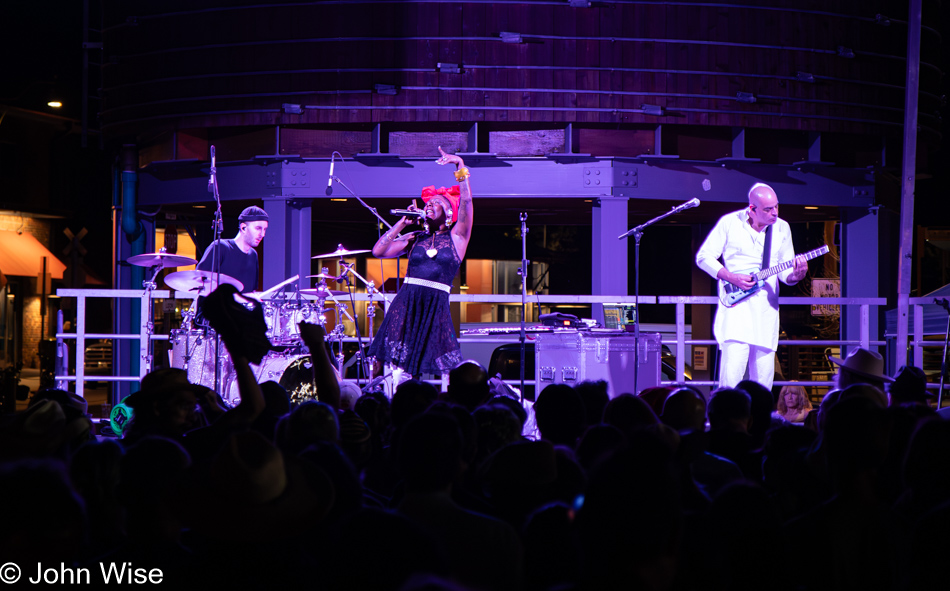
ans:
(176, 65)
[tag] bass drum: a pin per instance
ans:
(193, 351)
(293, 371)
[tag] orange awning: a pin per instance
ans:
(22, 255)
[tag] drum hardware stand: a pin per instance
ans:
(339, 334)
(190, 352)
(347, 269)
(370, 310)
(370, 291)
(523, 271)
(149, 286)
(637, 233)
(338, 330)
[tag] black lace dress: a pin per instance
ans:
(417, 333)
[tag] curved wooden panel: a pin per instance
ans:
(797, 64)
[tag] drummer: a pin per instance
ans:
(237, 257)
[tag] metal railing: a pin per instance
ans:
(679, 342)
(144, 335)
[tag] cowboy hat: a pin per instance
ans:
(159, 383)
(863, 363)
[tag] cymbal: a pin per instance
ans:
(339, 252)
(200, 282)
(160, 259)
(322, 293)
(322, 276)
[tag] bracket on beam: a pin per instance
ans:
(658, 147)
(570, 144)
(379, 145)
(738, 148)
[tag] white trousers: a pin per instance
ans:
(737, 357)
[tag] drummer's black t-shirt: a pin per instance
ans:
(233, 263)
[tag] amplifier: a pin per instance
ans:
(571, 358)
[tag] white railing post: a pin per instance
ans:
(865, 326)
(681, 342)
(918, 334)
(80, 344)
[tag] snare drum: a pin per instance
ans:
(193, 351)
(292, 371)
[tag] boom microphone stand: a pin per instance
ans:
(218, 228)
(637, 234)
(369, 207)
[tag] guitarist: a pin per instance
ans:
(747, 332)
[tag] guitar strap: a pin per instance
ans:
(767, 251)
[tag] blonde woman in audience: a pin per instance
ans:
(793, 404)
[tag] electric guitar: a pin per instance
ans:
(730, 295)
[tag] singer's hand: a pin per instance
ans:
(413, 207)
(449, 159)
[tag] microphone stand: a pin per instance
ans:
(371, 210)
(216, 260)
(363, 203)
(523, 271)
(637, 233)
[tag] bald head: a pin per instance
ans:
(759, 192)
(763, 206)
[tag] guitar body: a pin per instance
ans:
(730, 295)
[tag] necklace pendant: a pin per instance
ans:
(432, 252)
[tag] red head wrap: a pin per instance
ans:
(452, 195)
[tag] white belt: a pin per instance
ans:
(427, 283)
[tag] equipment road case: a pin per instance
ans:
(571, 357)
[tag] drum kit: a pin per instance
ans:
(193, 346)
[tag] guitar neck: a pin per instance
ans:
(765, 274)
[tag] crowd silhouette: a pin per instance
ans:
(428, 490)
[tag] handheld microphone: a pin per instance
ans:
(330, 178)
(687, 205)
(408, 212)
(214, 171)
